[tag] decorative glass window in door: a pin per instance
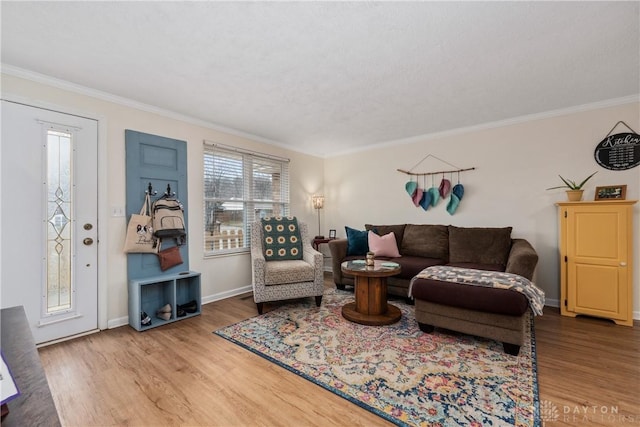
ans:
(59, 252)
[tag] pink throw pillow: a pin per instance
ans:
(383, 245)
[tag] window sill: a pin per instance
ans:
(230, 252)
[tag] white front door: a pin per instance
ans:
(49, 219)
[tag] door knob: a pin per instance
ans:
(623, 263)
(87, 241)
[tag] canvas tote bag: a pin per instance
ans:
(140, 231)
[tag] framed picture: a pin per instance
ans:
(611, 192)
(332, 234)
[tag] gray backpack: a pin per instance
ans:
(168, 220)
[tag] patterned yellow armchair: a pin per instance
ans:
(284, 265)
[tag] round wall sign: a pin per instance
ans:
(619, 152)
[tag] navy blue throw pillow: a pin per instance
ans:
(357, 241)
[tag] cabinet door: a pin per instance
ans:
(597, 261)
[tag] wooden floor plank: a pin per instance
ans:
(183, 374)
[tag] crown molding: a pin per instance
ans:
(497, 124)
(126, 102)
(105, 96)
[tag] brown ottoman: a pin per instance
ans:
(499, 314)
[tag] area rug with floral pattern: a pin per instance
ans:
(397, 372)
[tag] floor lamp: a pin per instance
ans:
(318, 203)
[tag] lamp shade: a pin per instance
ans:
(318, 201)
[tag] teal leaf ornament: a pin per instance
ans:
(411, 187)
(454, 201)
(456, 195)
(435, 195)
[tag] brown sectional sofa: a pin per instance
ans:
(424, 245)
(499, 314)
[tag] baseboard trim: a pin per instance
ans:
(116, 323)
(552, 302)
(226, 294)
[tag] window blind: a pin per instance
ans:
(240, 187)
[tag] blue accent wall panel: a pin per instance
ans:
(160, 161)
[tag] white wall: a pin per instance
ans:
(514, 164)
(221, 276)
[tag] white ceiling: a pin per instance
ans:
(330, 77)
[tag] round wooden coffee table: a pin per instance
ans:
(371, 306)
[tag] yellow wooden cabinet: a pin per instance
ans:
(596, 259)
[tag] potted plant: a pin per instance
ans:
(574, 192)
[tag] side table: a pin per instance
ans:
(370, 307)
(317, 241)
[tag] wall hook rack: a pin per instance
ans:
(169, 193)
(150, 190)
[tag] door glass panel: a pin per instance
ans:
(59, 291)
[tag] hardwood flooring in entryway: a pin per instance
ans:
(182, 374)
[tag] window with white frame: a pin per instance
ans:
(240, 187)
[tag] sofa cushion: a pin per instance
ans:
(285, 272)
(480, 298)
(412, 265)
(479, 245)
(476, 266)
(357, 241)
(281, 238)
(426, 240)
(381, 230)
(383, 245)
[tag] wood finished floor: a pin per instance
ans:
(182, 374)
